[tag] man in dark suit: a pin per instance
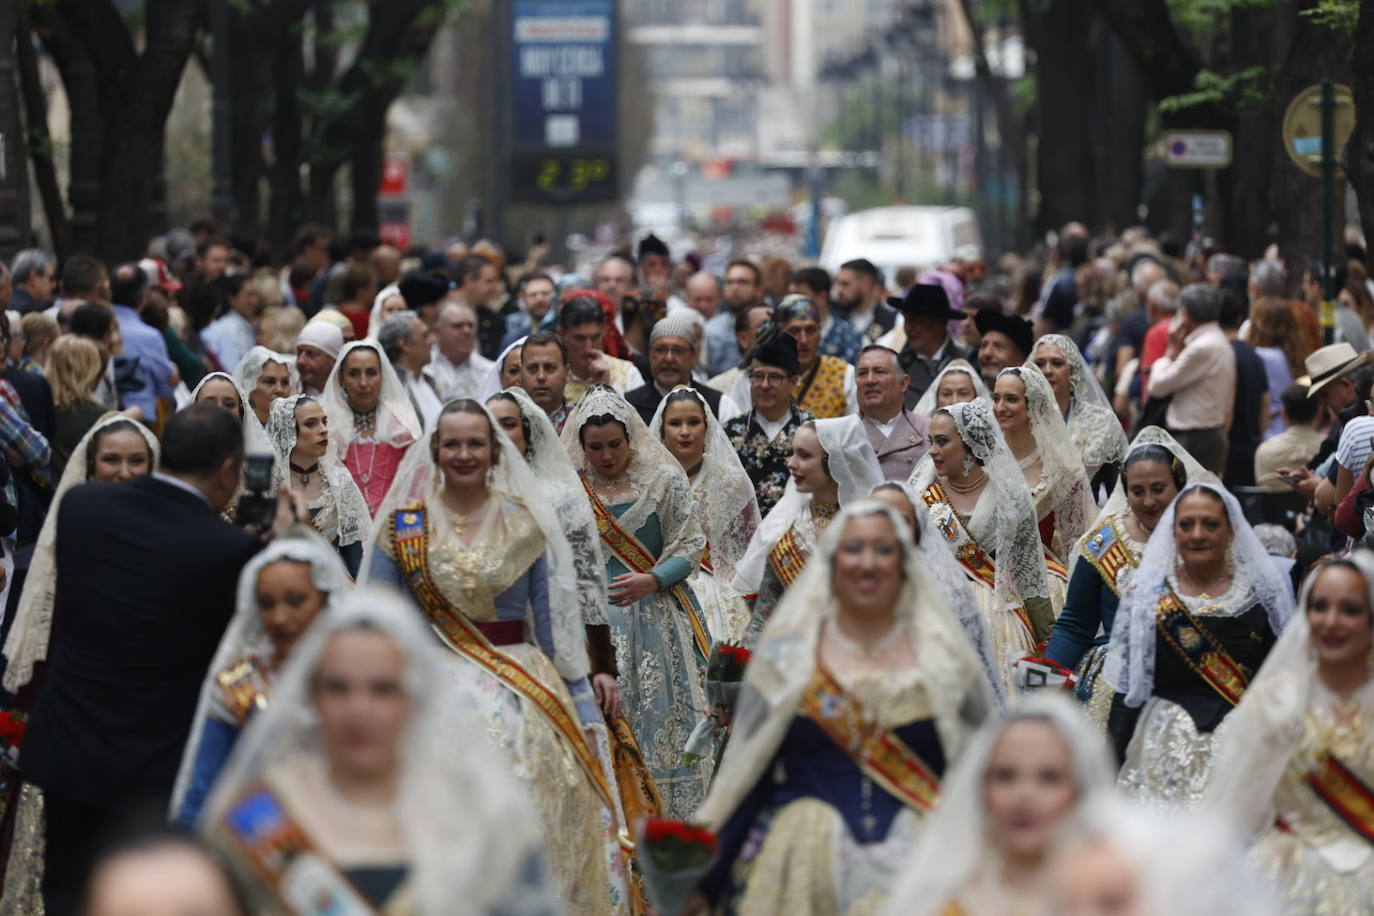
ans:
(929, 348)
(146, 578)
(672, 357)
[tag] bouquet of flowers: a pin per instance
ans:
(1036, 672)
(674, 856)
(12, 726)
(724, 674)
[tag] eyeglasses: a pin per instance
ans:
(769, 378)
(670, 350)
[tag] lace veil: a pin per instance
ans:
(1267, 726)
(955, 843)
(948, 577)
(1092, 421)
(782, 665)
(1151, 435)
(926, 405)
(397, 424)
(1004, 519)
(724, 493)
(374, 317)
(491, 384)
(254, 436)
(549, 462)
(469, 834)
(27, 642)
(248, 370)
(854, 468)
(245, 635)
(660, 485)
(1061, 464)
(1130, 666)
(418, 479)
(343, 518)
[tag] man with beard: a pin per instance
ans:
(859, 294)
(826, 388)
(672, 355)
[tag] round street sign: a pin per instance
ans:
(1302, 126)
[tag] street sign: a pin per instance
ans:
(563, 86)
(1197, 149)
(1302, 127)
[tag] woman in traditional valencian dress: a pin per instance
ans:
(1296, 767)
(265, 375)
(1084, 406)
(957, 383)
(1006, 811)
(1156, 468)
(281, 591)
(832, 464)
(1025, 409)
(725, 504)
(299, 430)
(982, 508)
(348, 793)
(468, 532)
(651, 541)
(862, 691)
(1200, 615)
(221, 388)
(371, 420)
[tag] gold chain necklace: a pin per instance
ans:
(973, 484)
(822, 513)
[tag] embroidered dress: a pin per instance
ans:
(824, 392)
(765, 459)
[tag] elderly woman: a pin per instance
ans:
(266, 375)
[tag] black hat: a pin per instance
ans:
(780, 352)
(926, 300)
(1015, 327)
(652, 244)
(419, 289)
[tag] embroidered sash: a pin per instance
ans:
(787, 559)
(1055, 568)
(280, 852)
(637, 557)
(410, 538)
(244, 687)
(970, 555)
(1106, 551)
(1345, 794)
(706, 559)
(1199, 649)
(882, 756)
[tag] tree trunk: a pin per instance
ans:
(288, 203)
(39, 140)
(1064, 106)
(249, 87)
(1359, 152)
(366, 175)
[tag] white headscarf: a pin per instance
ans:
(397, 424)
(1266, 728)
(853, 466)
(343, 518)
(927, 406)
(249, 369)
(493, 382)
(1061, 465)
(1130, 667)
(724, 493)
(956, 843)
(245, 635)
(255, 440)
(1005, 510)
(511, 479)
(1092, 422)
(467, 830)
(549, 461)
(27, 643)
(374, 317)
(785, 659)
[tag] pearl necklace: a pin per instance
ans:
(973, 483)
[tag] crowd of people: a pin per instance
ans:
(428, 582)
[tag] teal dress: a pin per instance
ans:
(657, 644)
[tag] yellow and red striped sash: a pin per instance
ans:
(883, 757)
(1107, 553)
(410, 538)
(1345, 794)
(787, 559)
(636, 556)
(1199, 649)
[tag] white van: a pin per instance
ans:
(893, 237)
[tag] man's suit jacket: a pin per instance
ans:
(922, 376)
(646, 398)
(146, 579)
(899, 451)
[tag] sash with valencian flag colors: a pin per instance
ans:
(410, 537)
(882, 756)
(966, 550)
(1345, 794)
(1199, 649)
(1107, 553)
(636, 556)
